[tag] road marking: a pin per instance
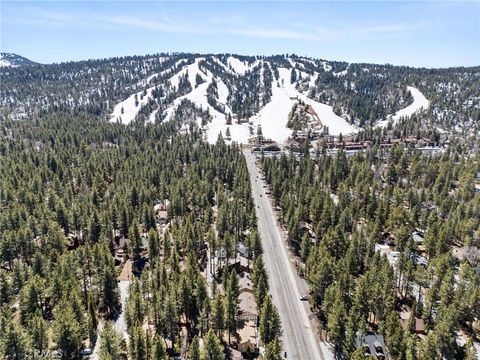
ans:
(281, 275)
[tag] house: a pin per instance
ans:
(393, 257)
(247, 332)
(247, 304)
(419, 260)
(247, 316)
(373, 344)
(419, 326)
(242, 250)
(240, 265)
(388, 238)
(233, 354)
(161, 212)
(383, 249)
(469, 253)
(418, 237)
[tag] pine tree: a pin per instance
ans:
(273, 350)
(153, 244)
(231, 304)
(109, 343)
(138, 345)
(218, 314)
(212, 348)
(159, 352)
(194, 350)
(13, 344)
(270, 326)
(38, 332)
(66, 331)
(135, 241)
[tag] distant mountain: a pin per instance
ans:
(245, 94)
(13, 60)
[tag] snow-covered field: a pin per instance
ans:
(420, 102)
(239, 66)
(130, 110)
(5, 63)
(273, 117)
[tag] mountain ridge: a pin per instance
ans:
(14, 60)
(243, 92)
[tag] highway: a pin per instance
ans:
(299, 338)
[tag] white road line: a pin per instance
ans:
(274, 239)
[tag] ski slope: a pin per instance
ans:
(420, 102)
(273, 117)
(130, 110)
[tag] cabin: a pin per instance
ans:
(373, 344)
(247, 316)
(247, 332)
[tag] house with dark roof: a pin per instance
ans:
(373, 344)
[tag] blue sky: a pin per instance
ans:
(428, 33)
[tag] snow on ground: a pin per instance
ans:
(192, 69)
(312, 78)
(341, 73)
(419, 102)
(327, 351)
(5, 63)
(225, 67)
(273, 117)
(198, 96)
(326, 66)
(130, 111)
(240, 67)
(222, 92)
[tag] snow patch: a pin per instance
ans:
(273, 117)
(420, 102)
(326, 66)
(192, 69)
(240, 67)
(341, 73)
(130, 111)
(6, 63)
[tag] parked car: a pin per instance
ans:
(86, 351)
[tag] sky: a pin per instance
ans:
(421, 34)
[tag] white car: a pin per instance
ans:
(86, 351)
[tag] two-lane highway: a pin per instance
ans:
(299, 338)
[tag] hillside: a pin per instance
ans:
(244, 93)
(14, 60)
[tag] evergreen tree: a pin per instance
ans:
(270, 326)
(13, 343)
(109, 343)
(67, 332)
(273, 350)
(212, 348)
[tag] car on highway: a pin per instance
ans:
(304, 298)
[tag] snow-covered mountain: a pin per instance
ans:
(239, 95)
(13, 60)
